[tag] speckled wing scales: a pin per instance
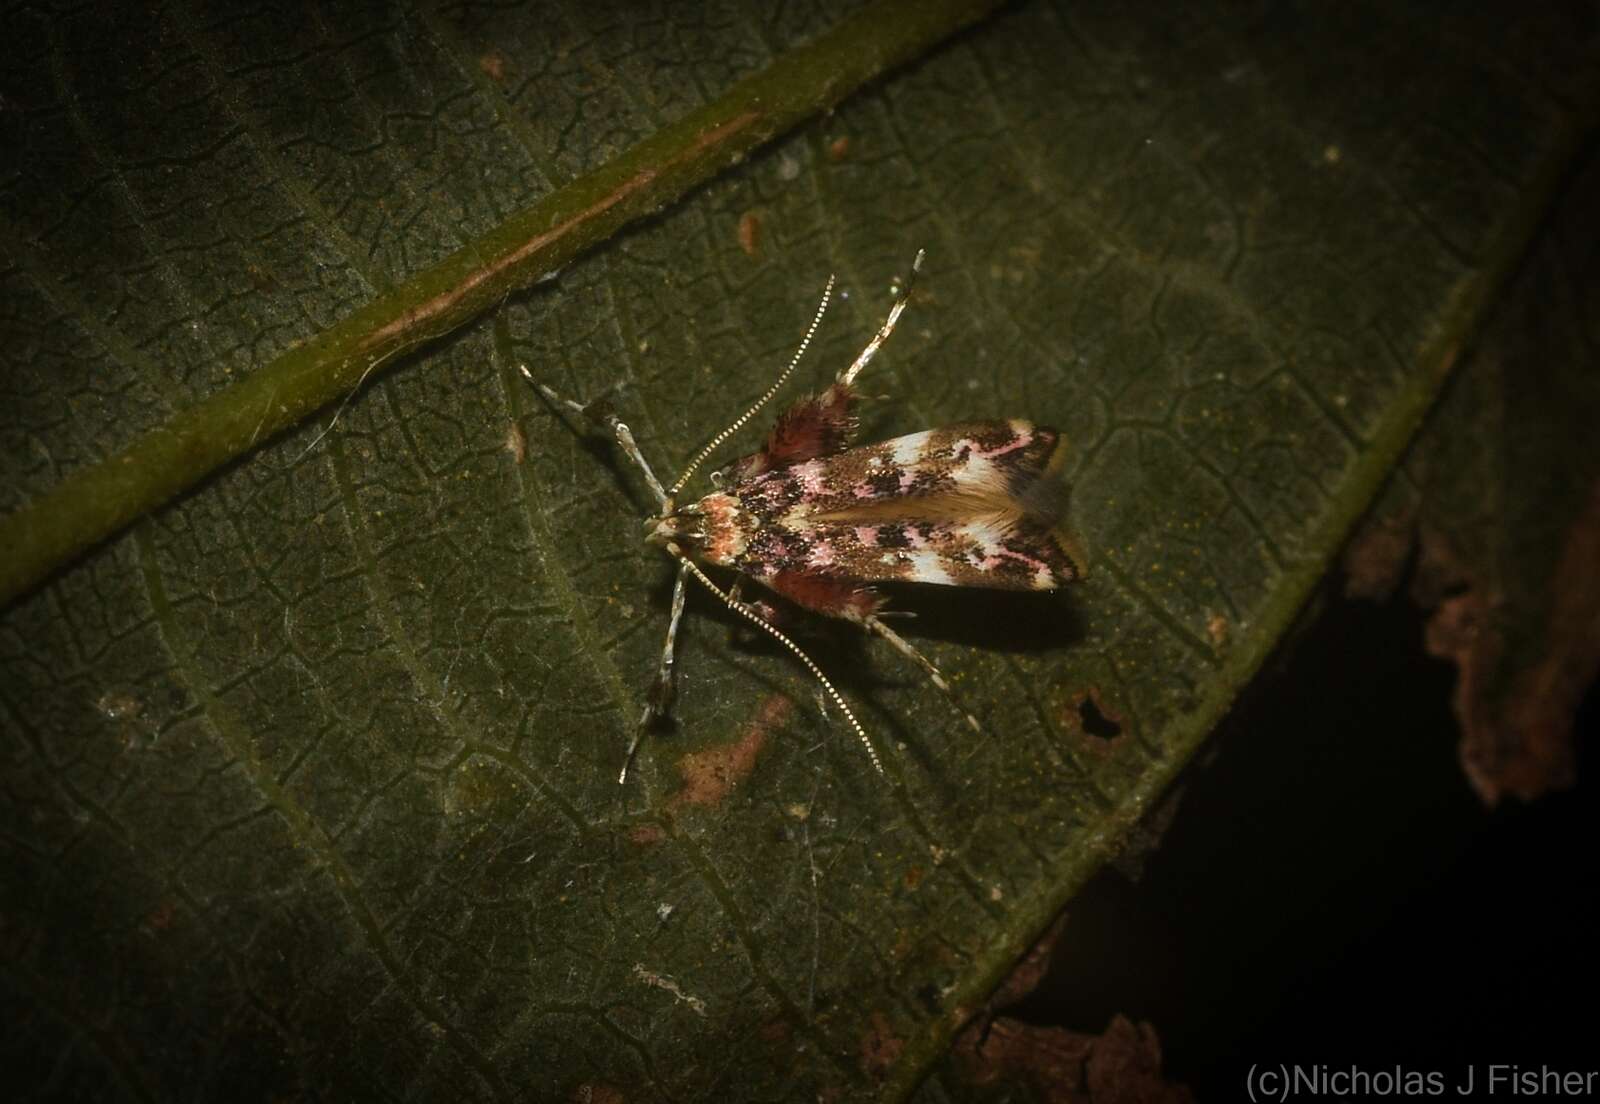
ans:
(979, 504)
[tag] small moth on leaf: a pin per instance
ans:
(975, 504)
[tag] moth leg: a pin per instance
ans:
(847, 377)
(874, 624)
(844, 599)
(590, 411)
(663, 689)
(821, 424)
(769, 613)
(733, 427)
(759, 622)
(599, 413)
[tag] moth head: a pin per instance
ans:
(715, 529)
(676, 526)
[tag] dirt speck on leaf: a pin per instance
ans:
(710, 775)
(1217, 629)
(881, 1047)
(646, 834)
(493, 65)
(750, 233)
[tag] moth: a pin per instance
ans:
(817, 522)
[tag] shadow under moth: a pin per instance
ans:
(974, 504)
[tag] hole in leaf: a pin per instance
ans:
(1095, 722)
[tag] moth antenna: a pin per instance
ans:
(875, 625)
(761, 623)
(662, 690)
(848, 376)
(619, 429)
(805, 342)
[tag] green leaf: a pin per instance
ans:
(310, 782)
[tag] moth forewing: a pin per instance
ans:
(976, 504)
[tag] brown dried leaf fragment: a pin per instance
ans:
(1517, 726)
(1121, 1066)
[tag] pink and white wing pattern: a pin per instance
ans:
(979, 504)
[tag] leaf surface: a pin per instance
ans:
(310, 782)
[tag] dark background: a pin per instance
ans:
(1331, 891)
